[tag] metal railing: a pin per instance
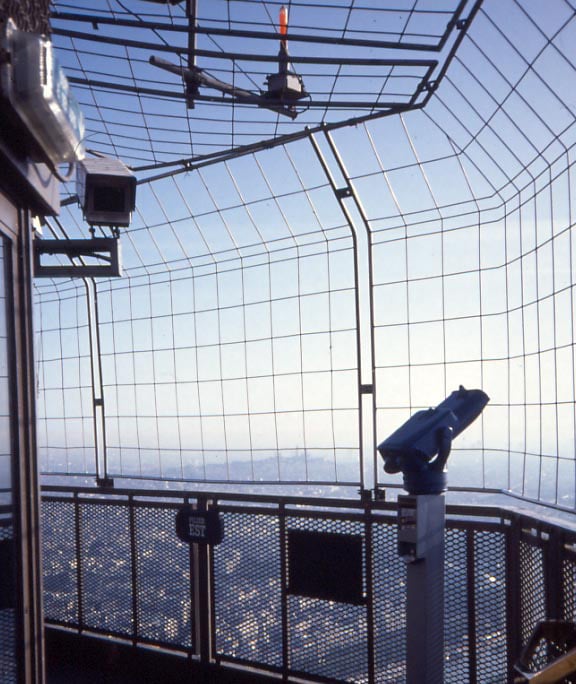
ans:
(113, 565)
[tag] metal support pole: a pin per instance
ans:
(98, 411)
(202, 594)
(421, 524)
(99, 415)
(356, 218)
(191, 13)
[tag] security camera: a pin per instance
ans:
(420, 447)
(106, 191)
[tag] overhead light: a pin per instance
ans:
(106, 190)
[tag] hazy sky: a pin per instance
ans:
(229, 348)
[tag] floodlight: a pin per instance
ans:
(106, 191)
(420, 447)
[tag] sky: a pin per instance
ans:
(230, 348)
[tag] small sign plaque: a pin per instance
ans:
(326, 565)
(199, 527)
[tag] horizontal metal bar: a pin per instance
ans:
(478, 514)
(292, 37)
(120, 637)
(76, 247)
(100, 497)
(311, 103)
(390, 107)
(105, 249)
(245, 57)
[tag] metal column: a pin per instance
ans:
(421, 524)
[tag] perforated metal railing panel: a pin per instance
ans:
(532, 597)
(162, 577)
(117, 567)
(248, 589)
(61, 573)
(8, 670)
(490, 603)
(106, 567)
(389, 603)
(569, 582)
(8, 654)
(457, 637)
(328, 638)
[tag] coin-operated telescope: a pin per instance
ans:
(420, 448)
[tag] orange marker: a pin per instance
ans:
(283, 24)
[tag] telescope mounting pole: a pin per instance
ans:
(421, 524)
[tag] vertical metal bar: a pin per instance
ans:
(194, 639)
(513, 592)
(471, 606)
(371, 655)
(14, 287)
(202, 595)
(78, 540)
(91, 342)
(211, 595)
(99, 415)
(27, 474)
(364, 327)
(191, 13)
(366, 300)
(134, 569)
(106, 480)
(424, 571)
(284, 596)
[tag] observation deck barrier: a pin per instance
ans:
(114, 566)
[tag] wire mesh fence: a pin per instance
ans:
(285, 309)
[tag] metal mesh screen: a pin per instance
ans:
(225, 372)
(107, 568)
(328, 638)
(136, 582)
(162, 577)
(569, 583)
(230, 349)
(490, 604)
(61, 572)
(248, 589)
(8, 652)
(456, 593)
(533, 597)
(8, 662)
(389, 597)
(65, 410)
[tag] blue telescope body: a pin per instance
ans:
(420, 447)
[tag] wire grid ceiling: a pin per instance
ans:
(229, 349)
(355, 59)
